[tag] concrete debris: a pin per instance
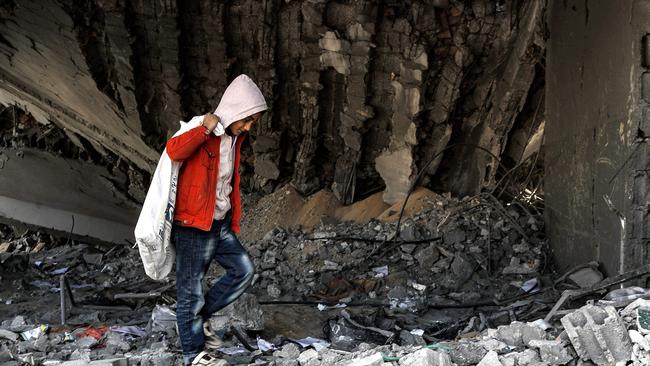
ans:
(519, 334)
(552, 352)
(447, 253)
(426, 357)
(598, 334)
(490, 359)
(374, 313)
(245, 313)
(7, 334)
(586, 277)
(307, 357)
(376, 359)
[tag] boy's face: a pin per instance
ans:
(244, 125)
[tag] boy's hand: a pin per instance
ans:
(210, 121)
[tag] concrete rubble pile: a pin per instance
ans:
(455, 251)
(465, 283)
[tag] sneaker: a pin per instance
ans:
(212, 340)
(206, 359)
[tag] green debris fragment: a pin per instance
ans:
(643, 318)
(441, 346)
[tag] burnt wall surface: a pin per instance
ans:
(595, 114)
(361, 93)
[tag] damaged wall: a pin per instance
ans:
(596, 106)
(361, 93)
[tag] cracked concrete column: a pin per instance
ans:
(396, 164)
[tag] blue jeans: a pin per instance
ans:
(195, 250)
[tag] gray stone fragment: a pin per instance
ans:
(289, 351)
(454, 236)
(266, 168)
(283, 362)
(375, 359)
(41, 344)
(407, 338)
(93, 258)
(75, 363)
(273, 290)
(7, 334)
(116, 342)
(527, 357)
(426, 357)
(328, 356)
(552, 352)
(111, 362)
(86, 342)
(5, 354)
(408, 248)
(462, 268)
(598, 334)
(245, 312)
(490, 359)
(467, 353)
(307, 356)
(519, 334)
(494, 345)
(586, 277)
(81, 355)
(427, 256)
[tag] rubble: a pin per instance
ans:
(435, 296)
(598, 334)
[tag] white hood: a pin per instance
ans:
(241, 99)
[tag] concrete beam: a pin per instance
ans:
(40, 189)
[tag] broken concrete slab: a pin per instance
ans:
(468, 353)
(47, 75)
(69, 197)
(598, 334)
(490, 359)
(307, 356)
(519, 334)
(426, 357)
(586, 277)
(527, 357)
(7, 334)
(553, 352)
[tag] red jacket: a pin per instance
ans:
(196, 196)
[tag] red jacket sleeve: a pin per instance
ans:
(184, 145)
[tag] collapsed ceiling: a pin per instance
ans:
(362, 94)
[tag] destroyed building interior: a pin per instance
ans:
(434, 182)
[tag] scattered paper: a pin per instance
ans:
(34, 333)
(264, 345)
(129, 329)
(230, 351)
(530, 286)
(417, 332)
(317, 343)
(60, 271)
(381, 271)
